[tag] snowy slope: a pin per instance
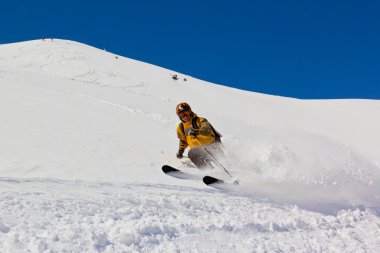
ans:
(84, 134)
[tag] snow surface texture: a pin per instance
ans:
(84, 135)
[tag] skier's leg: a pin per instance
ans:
(214, 153)
(199, 158)
(216, 150)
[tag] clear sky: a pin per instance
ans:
(303, 49)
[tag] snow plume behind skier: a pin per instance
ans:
(200, 136)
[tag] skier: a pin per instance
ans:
(198, 134)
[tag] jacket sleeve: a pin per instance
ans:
(182, 140)
(204, 127)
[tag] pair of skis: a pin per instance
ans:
(208, 180)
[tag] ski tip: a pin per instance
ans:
(167, 169)
(212, 180)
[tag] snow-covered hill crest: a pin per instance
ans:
(69, 111)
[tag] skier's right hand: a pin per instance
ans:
(179, 155)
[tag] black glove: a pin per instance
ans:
(192, 133)
(180, 154)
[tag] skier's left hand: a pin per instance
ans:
(179, 154)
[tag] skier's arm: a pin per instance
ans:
(182, 141)
(204, 127)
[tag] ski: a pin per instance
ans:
(208, 180)
(173, 172)
(169, 169)
(212, 180)
(220, 184)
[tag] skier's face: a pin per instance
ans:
(186, 118)
(185, 115)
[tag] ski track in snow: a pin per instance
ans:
(76, 216)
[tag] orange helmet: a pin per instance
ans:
(182, 107)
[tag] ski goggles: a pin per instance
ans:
(184, 114)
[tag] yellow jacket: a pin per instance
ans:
(205, 134)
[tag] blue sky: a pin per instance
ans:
(303, 49)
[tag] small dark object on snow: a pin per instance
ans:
(175, 77)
